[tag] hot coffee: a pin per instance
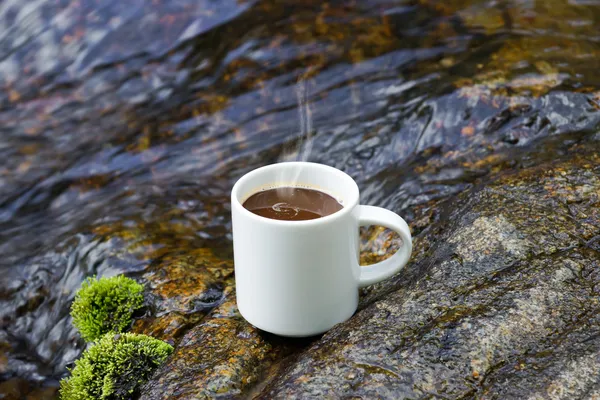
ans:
(292, 204)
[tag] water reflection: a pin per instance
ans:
(124, 124)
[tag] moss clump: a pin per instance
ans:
(114, 367)
(105, 305)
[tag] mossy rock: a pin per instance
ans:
(114, 367)
(106, 305)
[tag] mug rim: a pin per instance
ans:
(236, 203)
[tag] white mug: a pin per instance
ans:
(300, 278)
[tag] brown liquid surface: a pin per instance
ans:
(292, 204)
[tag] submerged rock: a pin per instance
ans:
(501, 301)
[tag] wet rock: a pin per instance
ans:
(501, 301)
(182, 289)
(192, 303)
(222, 356)
(504, 304)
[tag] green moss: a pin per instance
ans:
(105, 305)
(114, 367)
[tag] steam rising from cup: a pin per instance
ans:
(302, 149)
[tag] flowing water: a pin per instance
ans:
(124, 125)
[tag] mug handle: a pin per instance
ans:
(369, 215)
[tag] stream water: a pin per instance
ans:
(123, 125)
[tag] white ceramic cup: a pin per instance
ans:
(300, 278)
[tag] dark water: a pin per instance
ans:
(123, 125)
